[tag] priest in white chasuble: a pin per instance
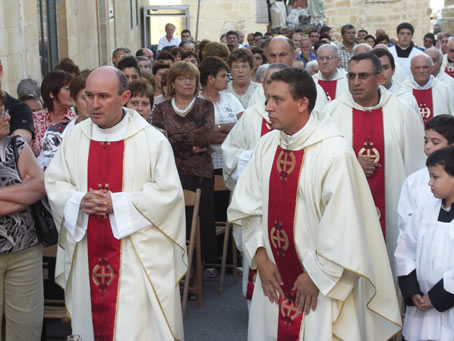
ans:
(433, 96)
(240, 143)
(385, 135)
(118, 204)
(310, 228)
(330, 77)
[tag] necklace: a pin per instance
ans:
(182, 111)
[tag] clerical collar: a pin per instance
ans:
(289, 139)
(446, 215)
(426, 86)
(115, 133)
(404, 52)
(331, 79)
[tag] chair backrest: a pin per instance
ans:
(219, 184)
(193, 199)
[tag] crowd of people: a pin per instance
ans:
(339, 156)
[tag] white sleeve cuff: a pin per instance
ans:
(243, 160)
(125, 219)
(323, 273)
(75, 220)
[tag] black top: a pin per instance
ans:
(404, 53)
(21, 115)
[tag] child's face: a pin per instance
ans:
(441, 183)
(433, 141)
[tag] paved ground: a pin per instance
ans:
(222, 317)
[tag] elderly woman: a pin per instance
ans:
(20, 250)
(241, 63)
(57, 106)
(189, 121)
(54, 135)
(142, 97)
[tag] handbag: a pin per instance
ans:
(42, 215)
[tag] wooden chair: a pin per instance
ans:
(192, 199)
(223, 227)
(54, 307)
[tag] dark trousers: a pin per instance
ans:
(206, 214)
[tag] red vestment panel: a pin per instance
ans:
(425, 103)
(105, 172)
(283, 194)
(330, 88)
(369, 140)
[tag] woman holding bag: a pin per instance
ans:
(21, 280)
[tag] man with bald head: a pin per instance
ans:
(433, 96)
(281, 50)
(117, 201)
(330, 77)
(448, 58)
(437, 58)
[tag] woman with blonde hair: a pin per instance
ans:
(189, 122)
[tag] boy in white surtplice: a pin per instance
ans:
(425, 256)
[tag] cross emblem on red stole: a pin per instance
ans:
(285, 164)
(102, 274)
(279, 238)
(289, 311)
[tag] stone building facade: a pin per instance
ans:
(89, 30)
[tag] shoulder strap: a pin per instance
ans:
(14, 146)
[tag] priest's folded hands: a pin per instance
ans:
(97, 202)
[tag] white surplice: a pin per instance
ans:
(442, 99)
(337, 237)
(405, 96)
(404, 148)
(427, 246)
(446, 63)
(340, 77)
(404, 62)
(148, 218)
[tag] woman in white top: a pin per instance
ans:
(227, 108)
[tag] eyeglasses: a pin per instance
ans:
(362, 75)
(186, 78)
(326, 58)
(241, 67)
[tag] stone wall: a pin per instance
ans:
(447, 24)
(19, 49)
(216, 17)
(373, 14)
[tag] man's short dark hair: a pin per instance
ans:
(325, 29)
(313, 30)
(258, 34)
(443, 125)
(346, 27)
(405, 25)
(52, 84)
(362, 30)
(229, 33)
(260, 51)
(268, 34)
(160, 64)
(122, 82)
(376, 63)
(300, 84)
(210, 66)
(443, 157)
(128, 61)
(429, 35)
(166, 55)
(124, 49)
(186, 31)
(384, 52)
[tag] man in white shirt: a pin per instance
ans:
(437, 72)
(169, 39)
(404, 50)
